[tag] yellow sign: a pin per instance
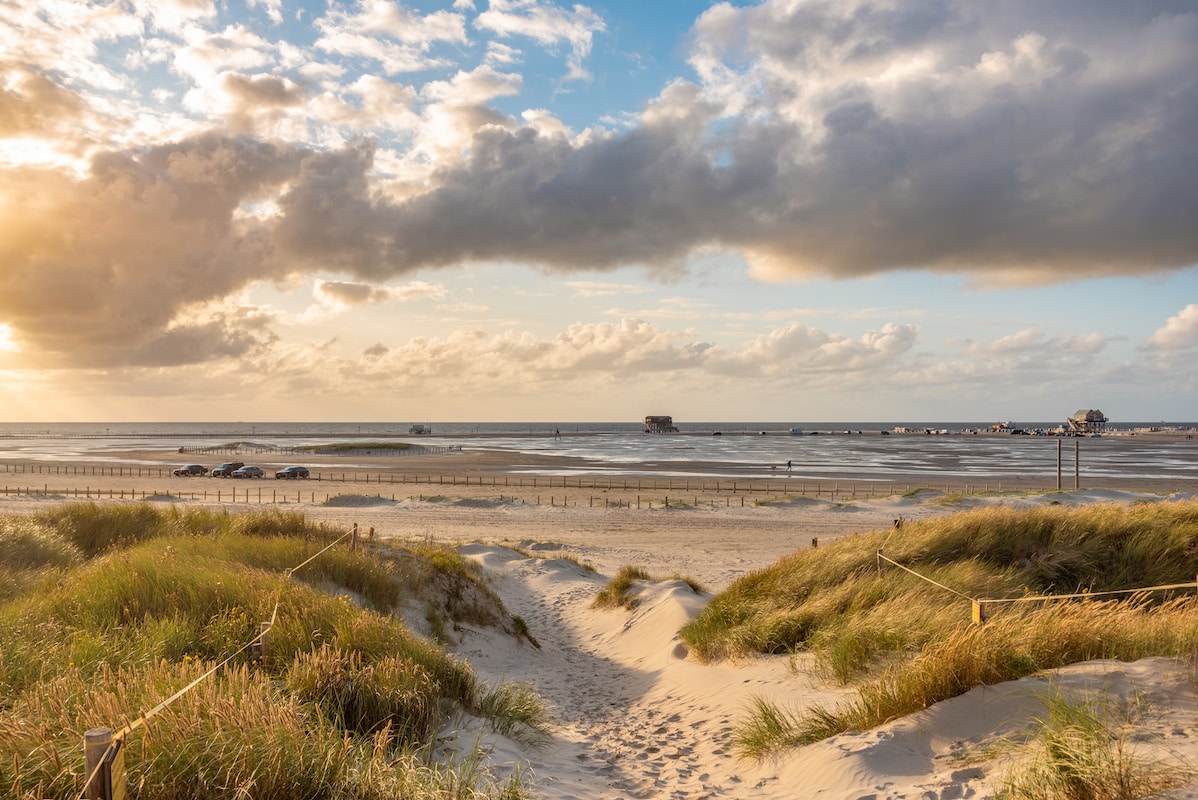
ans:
(115, 760)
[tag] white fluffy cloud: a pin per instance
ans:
(1180, 332)
(547, 24)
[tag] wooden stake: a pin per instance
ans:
(107, 760)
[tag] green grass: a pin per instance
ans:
(910, 644)
(356, 447)
(1085, 751)
(833, 601)
(111, 610)
(618, 593)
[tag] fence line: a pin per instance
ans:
(982, 607)
(834, 490)
(105, 758)
(235, 496)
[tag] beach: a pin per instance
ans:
(635, 717)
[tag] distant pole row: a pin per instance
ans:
(838, 489)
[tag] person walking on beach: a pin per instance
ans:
(557, 433)
(788, 466)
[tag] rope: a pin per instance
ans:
(924, 577)
(1076, 595)
(306, 561)
(118, 738)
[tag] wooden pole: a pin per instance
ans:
(1077, 469)
(1058, 465)
(263, 643)
(96, 744)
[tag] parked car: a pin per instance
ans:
(226, 469)
(247, 472)
(189, 470)
(292, 472)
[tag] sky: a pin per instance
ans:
(516, 210)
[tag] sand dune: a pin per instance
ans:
(637, 718)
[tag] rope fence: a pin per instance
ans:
(104, 756)
(983, 607)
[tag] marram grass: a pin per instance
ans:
(113, 609)
(1086, 751)
(618, 593)
(911, 644)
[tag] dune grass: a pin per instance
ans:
(618, 591)
(912, 644)
(113, 609)
(1085, 751)
(349, 448)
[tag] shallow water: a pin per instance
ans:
(741, 451)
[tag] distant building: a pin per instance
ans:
(1086, 422)
(660, 425)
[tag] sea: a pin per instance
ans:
(851, 451)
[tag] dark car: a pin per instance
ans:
(292, 472)
(247, 472)
(189, 470)
(228, 468)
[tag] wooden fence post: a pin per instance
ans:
(107, 761)
(260, 651)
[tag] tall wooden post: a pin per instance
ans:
(1077, 467)
(1058, 465)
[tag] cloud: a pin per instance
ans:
(390, 34)
(1180, 332)
(343, 295)
(274, 9)
(1015, 147)
(151, 235)
(258, 104)
(1009, 143)
(56, 38)
(875, 141)
(1005, 142)
(600, 289)
(32, 104)
(797, 349)
(1035, 343)
(547, 24)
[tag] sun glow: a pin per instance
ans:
(6, 340)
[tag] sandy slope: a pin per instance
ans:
(637, 718)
